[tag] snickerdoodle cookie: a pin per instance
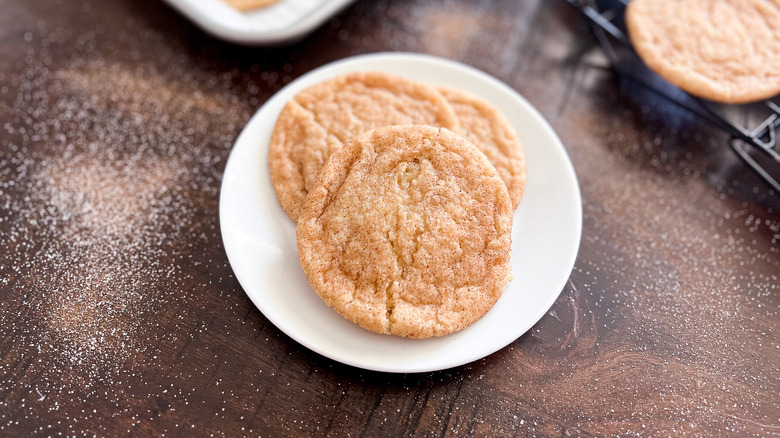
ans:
(723, 50)
(488, 129)
(322, 118)
(407, 232)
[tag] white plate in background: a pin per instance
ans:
(280, 22)
(260, 240)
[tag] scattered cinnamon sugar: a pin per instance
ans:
(109, 177)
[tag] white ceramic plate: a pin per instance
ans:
(283, 21)
(260, 239)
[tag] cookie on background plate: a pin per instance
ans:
(722, 50)
(488, 129)
(407, 231)
(248, 5)
(320, 119)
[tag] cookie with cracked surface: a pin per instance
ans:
(320, 119)
(407, 231)
(486, 127)
(722, 50)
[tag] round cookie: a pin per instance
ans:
(722, 50)
(320, 119)
(488, 129)
(407, 232)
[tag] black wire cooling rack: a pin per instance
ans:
(757, 146)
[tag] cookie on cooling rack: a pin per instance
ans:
(320, 119)
(722, 50)
(486, 127)
(407, 231)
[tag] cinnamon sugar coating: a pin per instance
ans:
(407, 231)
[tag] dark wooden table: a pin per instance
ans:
(120, 315)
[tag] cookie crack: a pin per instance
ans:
(392, 239)
(389, 305)
(319, 121)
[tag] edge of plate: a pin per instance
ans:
(234, 26)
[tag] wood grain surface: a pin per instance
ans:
(120, 315)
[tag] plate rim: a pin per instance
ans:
(354, 63)
(209, 16)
